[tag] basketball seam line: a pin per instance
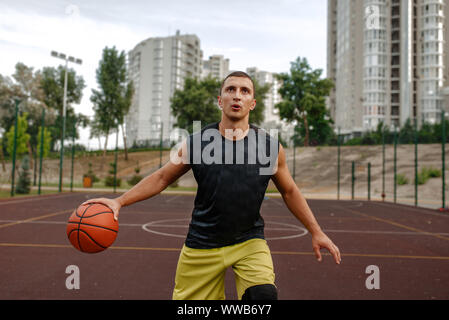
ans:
(91, 239)
(92, 215)
(81, 218)
(92, 225)
(78, 230)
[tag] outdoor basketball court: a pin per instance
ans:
(408, 245)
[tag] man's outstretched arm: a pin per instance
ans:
(149, 186)
(297, 204)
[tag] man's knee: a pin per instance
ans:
(261, 292)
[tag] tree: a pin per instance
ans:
(256, 116)
(304, 93)
(197, 101)
(24, 85)
(52, 84)
(113, 99)
(22, 136)
(46, 144)
(407, 132)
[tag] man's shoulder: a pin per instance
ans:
(270, 135)
(213, 125)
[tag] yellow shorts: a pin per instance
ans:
(201, 273)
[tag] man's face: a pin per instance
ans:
(237, 98)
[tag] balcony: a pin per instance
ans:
(395, 36)
(395, 60)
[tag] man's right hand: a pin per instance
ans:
(113, 204)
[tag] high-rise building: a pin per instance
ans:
(345, 62)
(389, 60)
(217, 67)
(271, 114)
(157, 67)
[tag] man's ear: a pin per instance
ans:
(253, 105)
(220, 103)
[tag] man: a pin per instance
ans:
(226, 229)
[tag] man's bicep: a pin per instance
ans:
(282, 178)
(171, 172)
(178, 164)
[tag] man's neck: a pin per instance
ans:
(233, 130)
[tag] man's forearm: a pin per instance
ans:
(297, 204)
(146, 188)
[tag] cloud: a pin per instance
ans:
(266, 34)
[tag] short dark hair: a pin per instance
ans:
(239, 74)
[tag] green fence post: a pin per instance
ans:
(13, 173)
(394, 164)
(383, 163)
(41, 151)
(115, 162)
(73, 156)
(416, 162)
(369, 180)
(294, 160)
(160, 146)
(443, 160)
(353, 180)
(338, 164)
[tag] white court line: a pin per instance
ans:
(172, 198)
(388, 204)
(388, 232)
(289, 228)
(418, 209)
(153, 224)
(64, 222)
(34, 199)
(279, 203)
(136, 225)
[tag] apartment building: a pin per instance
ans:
(345, 62)
(389, 61)
(271, 114)
(217, 66)
(158, 66)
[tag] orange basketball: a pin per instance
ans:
(91, 228)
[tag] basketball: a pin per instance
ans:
(91, 228)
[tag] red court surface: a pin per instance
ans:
(408, 245)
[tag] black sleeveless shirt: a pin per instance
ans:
(232, 178)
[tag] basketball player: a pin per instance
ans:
(226, 228)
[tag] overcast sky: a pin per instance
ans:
(260, 33)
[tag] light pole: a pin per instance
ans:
(66, 58)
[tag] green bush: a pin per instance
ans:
(135, 179)
(401, 179)
(91, 174)
(427, 173)
(422, 178)
(433, 173)
(24, 183)
(109, 181)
